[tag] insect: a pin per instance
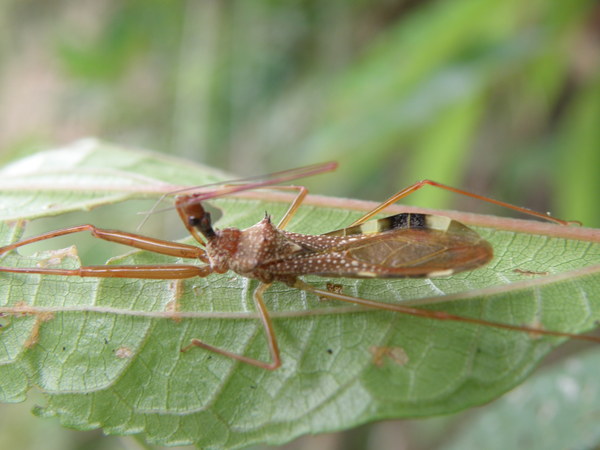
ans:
(402, 245)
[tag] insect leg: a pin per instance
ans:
(302, 192)
(437, 315)
(151, 272)
(415, 187)
(120, 237)
(268, 326)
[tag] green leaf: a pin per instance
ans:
(89, 174)
(106, 352)
(555, 410)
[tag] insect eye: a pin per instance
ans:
(202, 224)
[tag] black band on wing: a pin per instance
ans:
(404, 220)
(399, 221)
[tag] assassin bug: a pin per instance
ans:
(402, 245)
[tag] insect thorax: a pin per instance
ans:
(245, 251)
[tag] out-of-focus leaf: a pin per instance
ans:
(577, 191)
(556, 409)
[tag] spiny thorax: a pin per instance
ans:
(244, 251)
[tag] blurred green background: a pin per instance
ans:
(501, 97)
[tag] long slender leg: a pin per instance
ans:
(302, 192)
(120, 237)
(415, 187)
(437, 315)
(268, 326)
(160, 272)
(153, 272)
(259, 302)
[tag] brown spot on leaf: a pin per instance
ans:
(57, 256)
(173, 306)
(395, 354)
(529, 272)
(533, 334)
(124, 352)
(334, 288)
(34, 336)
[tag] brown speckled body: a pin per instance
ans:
(391, 250)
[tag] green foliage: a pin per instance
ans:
(553, 410)
(106, 352)
(581, 136)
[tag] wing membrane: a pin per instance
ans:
(405, 245)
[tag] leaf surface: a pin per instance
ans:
(106, 352)
(554, 410)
